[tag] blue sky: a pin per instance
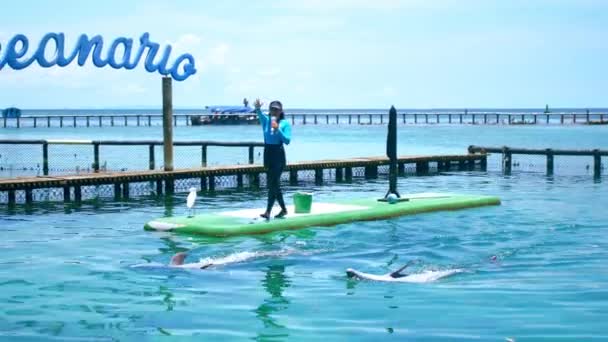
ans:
(327, 54)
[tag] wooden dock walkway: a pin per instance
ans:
(355, 118)
(71, 185)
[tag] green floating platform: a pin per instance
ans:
(247, 221)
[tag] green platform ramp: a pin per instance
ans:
(247, 221)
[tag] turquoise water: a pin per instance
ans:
(67, 272)
(535, 266)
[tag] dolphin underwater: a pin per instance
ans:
(399, 277)
(178, 260)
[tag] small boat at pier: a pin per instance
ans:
(226, 115)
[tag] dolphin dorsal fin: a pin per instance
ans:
(397, 273)
(178, 259)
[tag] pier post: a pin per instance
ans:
(12, 199)
(381, 119)
(204, 183)
(18, 122)
(88, 121)
(450, 118)
(175, 121)
(359, 119)
(422, 168)
(77, 193)
(74, 119)
(61, 121)
(506, 160)
(483, 162)
(251, 154)
(112, 120)
(348, 174)
(28, 196)
(4, 120)
(509, 119)
(100, 119)
(339, 175)
(415, 118)
(45, 158)
(497, 119)
(473, 118)
(96, 156)
(573, 117)
(293, 119)
(211, 183)
(401, 169)
(138, 120)
(349, 119)
(254, 180)
(370, 119)
(337, 119)
(66, 194)
(117, 191)
(404, 118)
(437, 118)
(169, 186)
(159, 187)
(587, 116)
(426, 118)
(460, 118)
(485, 119)
(125, 190)
(597, 163)
(462, 165)
(327, 119)
(535, 118)
(561, 119)
(149, 120)
(293, 177)
(318, 176)
(204, 155)
(126, 123)
(167, 127)
(35, 121)
(550, 159)
(151, 157)
(239, 181)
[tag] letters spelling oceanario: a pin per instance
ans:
(183, 67)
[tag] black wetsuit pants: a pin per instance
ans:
(274, 161)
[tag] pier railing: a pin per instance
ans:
(316, 118)
(19, 157)
(591, 160)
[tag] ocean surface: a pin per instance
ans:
(534, 267)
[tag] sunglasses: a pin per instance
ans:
(273, 109)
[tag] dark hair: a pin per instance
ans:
(282, 114)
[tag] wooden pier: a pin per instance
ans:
(316, 118)
(550, 154)
(205, 177)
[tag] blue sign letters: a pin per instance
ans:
(17, 47)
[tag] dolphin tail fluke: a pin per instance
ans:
(178, 259)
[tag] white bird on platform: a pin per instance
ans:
(190, 200)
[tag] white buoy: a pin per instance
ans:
(392, 198)
(190, 201)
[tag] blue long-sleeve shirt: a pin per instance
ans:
(282, 135)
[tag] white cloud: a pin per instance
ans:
(269, 72)
(217, 54)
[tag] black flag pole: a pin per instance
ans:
(391, 152)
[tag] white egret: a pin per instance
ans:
(190, 200)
